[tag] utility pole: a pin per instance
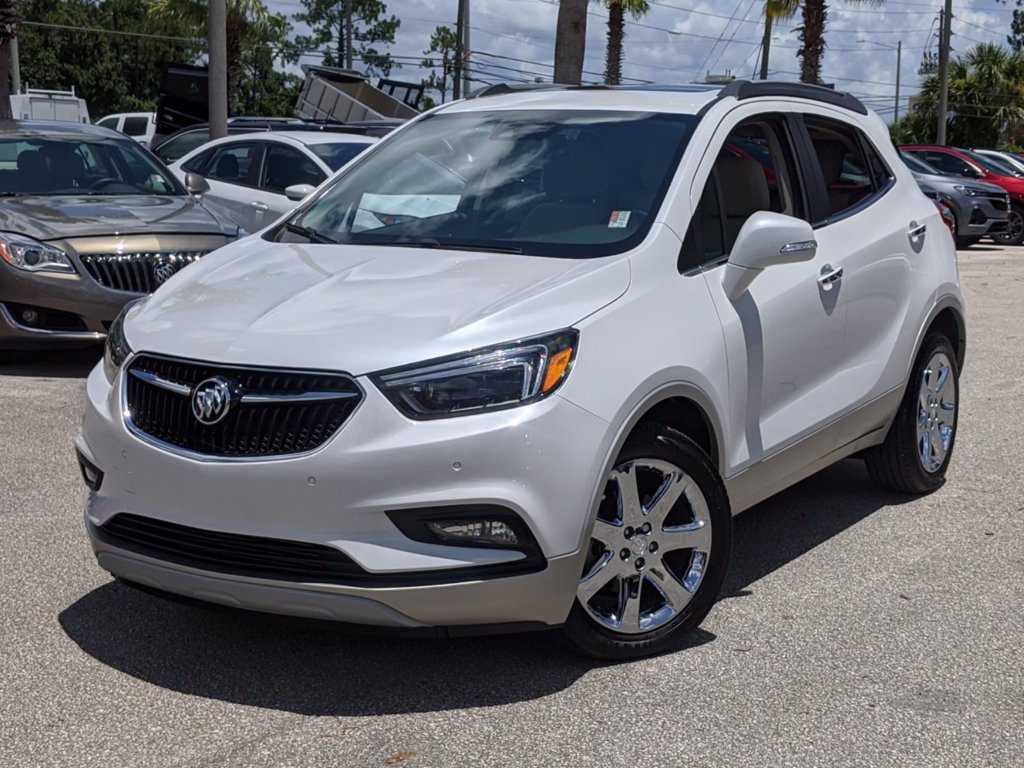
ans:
(217, 73)
(348, 34)
(766, 44)
(467, 51)
(899, 64)
(15, 66)
(460, 21)
(946, 23)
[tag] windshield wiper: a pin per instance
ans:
(450, 245)
(309, 233)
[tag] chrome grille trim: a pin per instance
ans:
(282, 413)
(135, 272)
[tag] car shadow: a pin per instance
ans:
(52, 363)
(314, 669)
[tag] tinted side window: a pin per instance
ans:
(284, 166)
(136, 126)
(947, 163)
(197, 164)
(852, 169)
(232, 163)
(755, 171)
(110, 122)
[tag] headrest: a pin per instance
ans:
(579, 172)
(831, 153)
(744, 188)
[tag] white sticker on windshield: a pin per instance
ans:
(618, 219)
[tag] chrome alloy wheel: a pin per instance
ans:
(936, 412)
(649, 549)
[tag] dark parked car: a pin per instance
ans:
(88, 221)
(954, 161)
(977, 207)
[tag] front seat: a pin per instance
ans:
(33, 171)
(744, 192)
(226, 168)
(576, 189)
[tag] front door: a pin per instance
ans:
(784, 335)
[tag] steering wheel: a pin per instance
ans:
(104, 181)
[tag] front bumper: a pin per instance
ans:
(541, 462)
(978, 216)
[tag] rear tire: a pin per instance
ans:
(658, 552)
(919, 445)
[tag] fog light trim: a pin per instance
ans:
(92, 475)
(486, 526)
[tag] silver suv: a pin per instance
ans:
(520, 363)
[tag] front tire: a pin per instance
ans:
(658, 552)
(919, 445)
(1014, 233)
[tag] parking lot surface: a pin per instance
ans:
(855, 628)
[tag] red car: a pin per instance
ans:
(971, 165)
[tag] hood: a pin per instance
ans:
(362, 309)
(47, 217)
(939, 182)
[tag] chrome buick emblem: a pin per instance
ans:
(212, 399)
(163, 271)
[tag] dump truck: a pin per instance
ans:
(346, 96)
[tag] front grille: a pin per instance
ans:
(273, 413)
(233, 553)
(136, 272)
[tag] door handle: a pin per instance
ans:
(829, 277)
(917, 230)
(261, 207)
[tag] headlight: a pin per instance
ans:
(970, 191)
(33, 256)
(487, 379)
(116, 350)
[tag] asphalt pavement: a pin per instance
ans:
(856, 628)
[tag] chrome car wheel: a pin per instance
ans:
(649, 549)
(936, 412)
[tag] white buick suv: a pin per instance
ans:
(520, 363)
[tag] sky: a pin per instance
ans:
(679, 41)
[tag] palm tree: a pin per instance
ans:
(617, 10)
(570, 41)
(8, 29)
(812, 31)
(249, 23)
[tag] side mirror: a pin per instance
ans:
(299, 192)
(196, 185)
(765, 239)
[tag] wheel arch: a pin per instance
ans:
(947, 317)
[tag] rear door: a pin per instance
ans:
(872, 231)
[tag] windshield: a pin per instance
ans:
(336, 155)
(549, 183)
(80, 165)
(918, 165)
(992, 164)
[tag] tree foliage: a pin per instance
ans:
(250, 24)
(112, 72)
(617, 10)
(812, 30)
(372, 31)
(441, 61)
(986, 101)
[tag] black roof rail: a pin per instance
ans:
(745, 89)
